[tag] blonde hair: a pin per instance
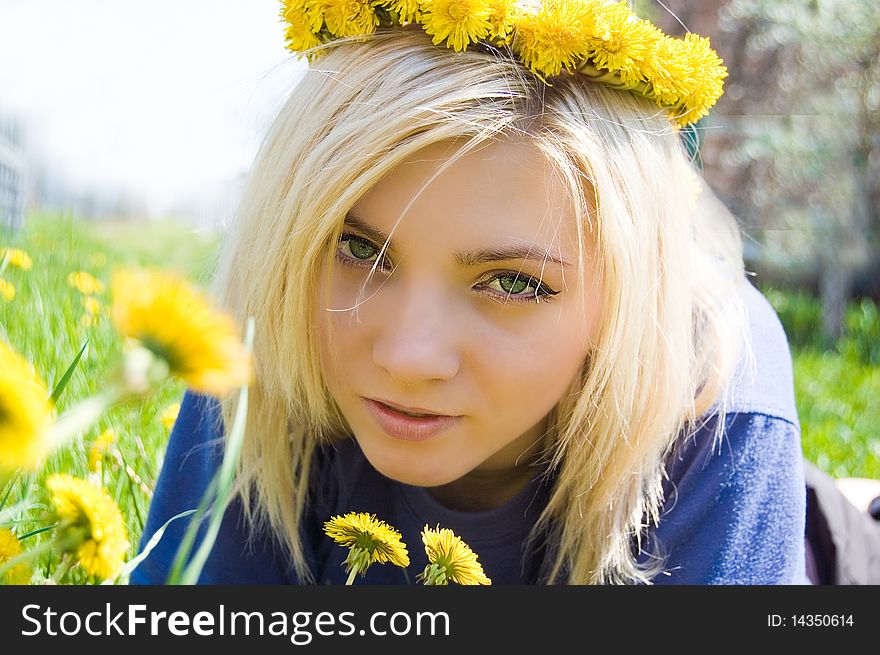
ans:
(672, 328)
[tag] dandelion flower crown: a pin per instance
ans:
(602, 40)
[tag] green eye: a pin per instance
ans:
(514, 284)
(518, 287)
(359, 248)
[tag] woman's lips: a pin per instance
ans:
(408, 428)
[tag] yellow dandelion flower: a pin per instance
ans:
(457, 22)
(91, 305)
(18, 258)
(704, 83)
(85, 283)
(7, 290)
(369, 541)
(169, 415)
(664, 67)
(450, 560)
(174, 321)
(25, 413)
(627, 44)
(556, 35)
(90, 525)
(300, 39)
(407, 11)
(347, 17)
(303, 25)
(502, 20)
(96, 454)
(303, 13)
(10, 547)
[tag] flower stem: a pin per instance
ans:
(62, 569)
(351, 575)
(220, 490)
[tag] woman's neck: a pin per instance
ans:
(480, 491)
(499, 478)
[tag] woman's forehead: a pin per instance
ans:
(503, 192)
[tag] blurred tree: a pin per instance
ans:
(811, 146)
(793, 147)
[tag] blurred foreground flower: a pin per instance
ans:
(17, 258)
(178, 332)
(96, 454)
(169, 415)
(7, 291)
(90, 525)
(9, 548)
(91, 305)
(368, 539)
(85, 282)
(92, 308)
(25, 413)
(450, 560)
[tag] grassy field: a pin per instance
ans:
(48, 322)
(836, 388)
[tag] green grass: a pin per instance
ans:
(837, 386)
(838, 404)
(43, 323)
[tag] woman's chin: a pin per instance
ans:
(416, 474)
(418, 478)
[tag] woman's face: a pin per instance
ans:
(481, 319)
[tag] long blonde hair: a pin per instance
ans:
(672, 328)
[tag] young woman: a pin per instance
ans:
(486, 298)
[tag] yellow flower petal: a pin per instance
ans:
(457, 22)
(91, 305)
(301, 31)
(407, 11)
(704, 82)
(347, 17)
(502, 20)
(15, 257)
(666, 65)
(10, 547)
(628, 43)
(556, 35)
(90, 524)
(85, 282)
(25, 413)
(96, 454)
(169, 415)
(375, 539)
(178, 324)
(450, 559)
(7, 290)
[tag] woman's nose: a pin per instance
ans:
(417, 342)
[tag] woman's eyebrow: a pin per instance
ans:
(471, 257)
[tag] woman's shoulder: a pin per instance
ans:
(195, 446)
(192, 458)
(734, 493)
(763, 381)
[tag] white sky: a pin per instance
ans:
(160, 97)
